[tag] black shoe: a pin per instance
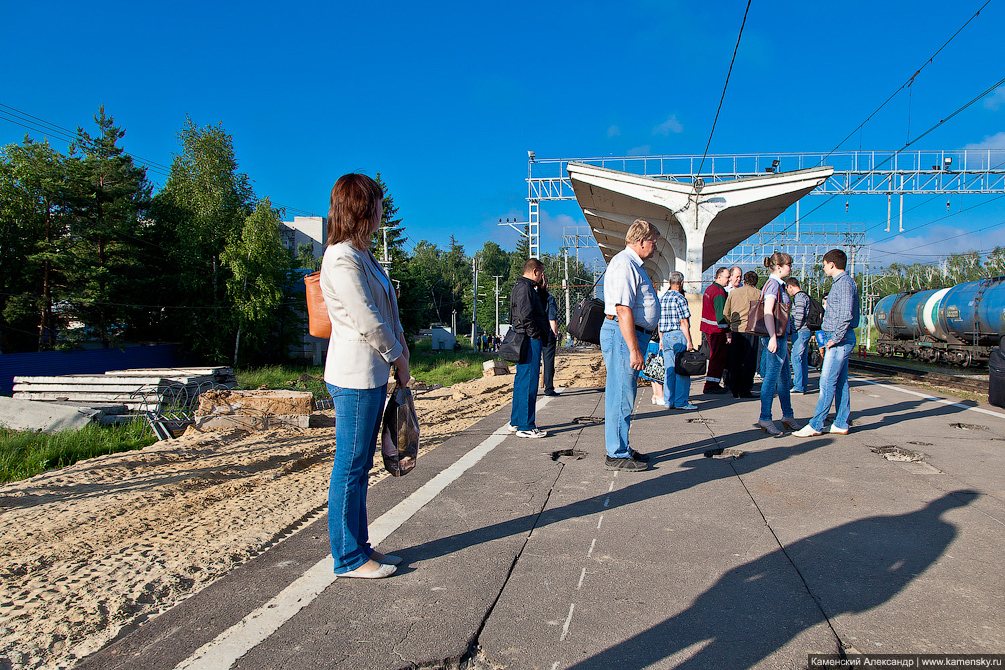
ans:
(624, 465)
(636, 456)
(714, 389)
(551, 393)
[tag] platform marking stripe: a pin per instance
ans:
(928, 397)
(253, 629)
(568, 620)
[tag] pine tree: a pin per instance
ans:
(107, 197)
(32, 236)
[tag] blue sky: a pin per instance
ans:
(445, 99)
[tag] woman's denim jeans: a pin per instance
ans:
(523, 414)
(675, 387)
(358, 415)
(834, 384)
(619, 392)
(775, 377)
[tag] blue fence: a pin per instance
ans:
(89, 361)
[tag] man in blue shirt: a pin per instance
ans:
(840, 320)
(632, 309)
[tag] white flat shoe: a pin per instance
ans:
(838, 431)
(383, 571)
(807, 431)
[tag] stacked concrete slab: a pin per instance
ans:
(139, 389)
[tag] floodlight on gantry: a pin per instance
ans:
(699, 223)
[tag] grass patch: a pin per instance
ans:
(24, 454)
(427, 366)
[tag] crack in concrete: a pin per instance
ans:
(841, 645)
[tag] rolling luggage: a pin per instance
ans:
(586, 320)
(996, 378)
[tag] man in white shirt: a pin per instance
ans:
(632, 309)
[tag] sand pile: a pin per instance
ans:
(97, 548)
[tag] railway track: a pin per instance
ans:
(921, 376)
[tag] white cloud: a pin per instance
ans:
(671, 125)
(996, 141)
(613, 132)
(643, 150)
(995, 102)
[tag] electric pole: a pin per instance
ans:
(474, 305)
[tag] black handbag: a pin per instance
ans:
(513, 346)
(690, 363)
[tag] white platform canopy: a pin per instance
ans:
(699, 223)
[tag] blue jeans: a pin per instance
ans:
(619, 392)
(358, 414)
(776, 377)
(834, 384)
(675, 387)
(800, 359)
(523, 415)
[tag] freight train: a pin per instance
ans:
(958, 325)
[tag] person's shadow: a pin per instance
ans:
(752, 611)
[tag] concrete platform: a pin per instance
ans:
(534, 556)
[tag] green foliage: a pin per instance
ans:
(259, 266)
(201, 210)
(32, 237)
(107, 195)
(305, 259)
(24, 454)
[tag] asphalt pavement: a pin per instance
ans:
(527, 553)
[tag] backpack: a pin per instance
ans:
(814, 313)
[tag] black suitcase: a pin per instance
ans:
(586, 321)
(996, 378)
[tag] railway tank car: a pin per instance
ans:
(958, 325)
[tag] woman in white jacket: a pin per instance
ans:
(366, 341)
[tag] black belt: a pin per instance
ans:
(650, 333)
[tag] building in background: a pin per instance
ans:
(304, 230)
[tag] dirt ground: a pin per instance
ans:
(95, 549)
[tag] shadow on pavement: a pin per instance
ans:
(750, 613)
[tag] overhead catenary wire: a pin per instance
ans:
(724, 86)
(886, 160)
(907, 83)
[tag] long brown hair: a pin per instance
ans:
(355, 204)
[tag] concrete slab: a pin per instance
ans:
(44, 417)
(537, 557)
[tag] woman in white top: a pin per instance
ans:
(773, 349)
(366, 341)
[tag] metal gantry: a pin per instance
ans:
(855, 172)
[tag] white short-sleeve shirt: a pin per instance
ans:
(626, 283)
